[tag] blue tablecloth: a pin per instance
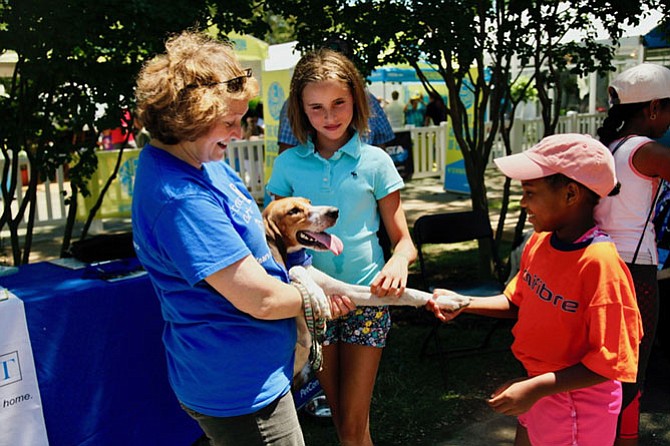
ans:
(99, 357)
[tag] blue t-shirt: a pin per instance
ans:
(415, 116)
(353, 179)
(188, 224)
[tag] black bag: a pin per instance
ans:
(104, 247)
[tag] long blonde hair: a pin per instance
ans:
(321, 65)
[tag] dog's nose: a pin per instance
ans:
(333, 213)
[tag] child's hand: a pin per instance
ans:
(446, 304)
(392, 279)
(340, 305)
(514, 398)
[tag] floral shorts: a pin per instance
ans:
(364, 326)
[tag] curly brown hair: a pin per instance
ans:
(182, 93)
(321, 65)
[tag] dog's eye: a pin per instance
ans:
(295, 210)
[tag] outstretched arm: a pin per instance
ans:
(494, 306)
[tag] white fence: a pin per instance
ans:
(247, 158)
(51, 193)
(430, 143)
(429, 149)
(525, 133)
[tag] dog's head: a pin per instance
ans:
(293, 223)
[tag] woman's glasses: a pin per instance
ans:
(234, 85)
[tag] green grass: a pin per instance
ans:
(455, 264)
(514, 205)
(426, 401)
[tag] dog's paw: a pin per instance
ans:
(452, 302)
(318, 299)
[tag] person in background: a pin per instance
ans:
(328, 111)
(415, 110)
(142, 136)
(639, 113)
(436, 111)
(259, 115)
(378, 134)
(124, 136)
(578, 327)
(119, 137)
(228, 307)
(395, 111)
(250, 127)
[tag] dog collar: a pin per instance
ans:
(298, 258)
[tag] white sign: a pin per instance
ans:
(21, 418)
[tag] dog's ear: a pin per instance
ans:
(275, 239)
(271, 228)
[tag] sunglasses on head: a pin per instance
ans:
(234, 85)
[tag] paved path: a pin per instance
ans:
(427, 196)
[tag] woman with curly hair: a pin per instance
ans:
(228, 307)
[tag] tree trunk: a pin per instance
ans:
(69, 223)
(103, 191)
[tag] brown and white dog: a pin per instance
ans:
(292, 224)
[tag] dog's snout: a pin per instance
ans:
(333, 213)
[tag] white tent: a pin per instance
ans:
(282, 56)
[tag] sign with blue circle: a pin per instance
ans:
(275, 99)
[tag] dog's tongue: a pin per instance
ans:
(332, 242)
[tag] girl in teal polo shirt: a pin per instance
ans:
(328, 111)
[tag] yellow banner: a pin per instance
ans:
(275, 92)
(118, 198)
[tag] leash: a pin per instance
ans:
(316, 327)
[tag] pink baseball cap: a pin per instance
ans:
(579, 157)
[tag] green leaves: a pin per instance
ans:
(76, 58)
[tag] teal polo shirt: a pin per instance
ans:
(353, 179)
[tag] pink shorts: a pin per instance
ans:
(584, 417)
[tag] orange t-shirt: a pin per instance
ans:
(576, 305)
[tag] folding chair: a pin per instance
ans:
(449, 228)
